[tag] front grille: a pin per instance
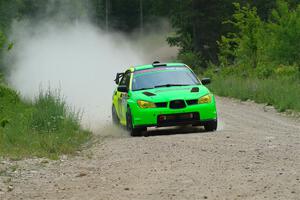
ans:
(161, 105)
(177, 119)
(192, 102)
(177, 104)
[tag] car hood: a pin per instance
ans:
(171, 93)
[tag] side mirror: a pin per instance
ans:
(122, 88)
(118, 77)
(206, 81)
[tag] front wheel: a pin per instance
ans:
(211, 125)
(134, 132)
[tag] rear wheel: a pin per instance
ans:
(211, 125)
(134, 132)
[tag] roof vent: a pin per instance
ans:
(158, 64)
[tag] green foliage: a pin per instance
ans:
(192, 59)
(198, 24)
(244, 44)
(284, 31)
(8, 11)
(2, 40)
(126, 16)
(184, 41)
(262, 45)
(51, 114)
(289, 71)
(44, 128)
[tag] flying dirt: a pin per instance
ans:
(80, 61)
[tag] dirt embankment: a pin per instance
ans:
(254, 155)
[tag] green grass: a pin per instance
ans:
(46, 127)
(282, 93)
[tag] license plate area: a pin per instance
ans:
(178, 118)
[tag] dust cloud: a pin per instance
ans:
(80, 60)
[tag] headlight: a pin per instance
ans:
(205, 99)
(145, 104)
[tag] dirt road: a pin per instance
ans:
(254, 155)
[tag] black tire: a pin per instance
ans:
(114, 116)
(134, 132)
(211, 126)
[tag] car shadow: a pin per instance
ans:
(174, 131)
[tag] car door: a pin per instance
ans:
(122, 98)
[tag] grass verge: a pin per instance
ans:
(282, 93)
(46, 127)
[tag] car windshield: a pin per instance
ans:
(163, 77)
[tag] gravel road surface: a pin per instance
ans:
(255, 154)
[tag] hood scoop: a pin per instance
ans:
(195, 89)
(149, 94)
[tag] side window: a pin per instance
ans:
(127, 80)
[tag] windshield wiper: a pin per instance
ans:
(171, 85)
(144, 89)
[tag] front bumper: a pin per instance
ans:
(202, 114)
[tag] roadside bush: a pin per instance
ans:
(283, 70)
(263, 71)
(8, 96)
(51, 113)
(45, 128)
(282, 93)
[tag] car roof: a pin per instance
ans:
(150, 66)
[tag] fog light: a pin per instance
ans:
(162, 118)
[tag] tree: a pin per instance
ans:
(199, 25)
(244, 43)
(284, 29)
(263, 45)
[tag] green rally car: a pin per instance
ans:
(161, 95)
